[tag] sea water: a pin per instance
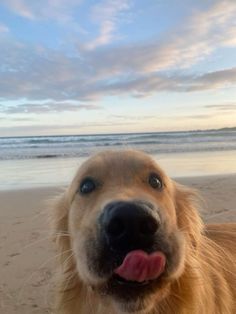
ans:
(52, 160)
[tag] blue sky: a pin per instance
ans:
(79, 67)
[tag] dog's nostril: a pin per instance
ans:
(148, 227)
(127, 226)
(115, 228)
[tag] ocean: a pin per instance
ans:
(85, 145)
(52, 160)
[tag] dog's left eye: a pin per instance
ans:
(155, 181)
(87, 186)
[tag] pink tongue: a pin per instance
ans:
(139, 266)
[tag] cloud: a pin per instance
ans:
(79, 128)
(20, 7)
(136, 69)
(197, 116)
(213, 80)
(187, 44)
(60, 11)
(3, 28)
(46, 107)
(223, 107)
(210, 111)
(37, 74)
(22, 119)
(146, 85)
(132, 118)
(107, 15)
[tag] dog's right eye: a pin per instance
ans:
(87, 186)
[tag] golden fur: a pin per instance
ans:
(204, 281)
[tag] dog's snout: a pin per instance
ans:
(129, 225)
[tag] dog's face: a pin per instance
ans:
(124, 229)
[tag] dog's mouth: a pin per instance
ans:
(137, 274)
(128, 283)
(129, 296)
(139, 266)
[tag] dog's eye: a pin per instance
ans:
(155, 181)
(87, 186)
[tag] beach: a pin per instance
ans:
(78, 78)
(27, 253)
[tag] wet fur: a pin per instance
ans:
(207, 284)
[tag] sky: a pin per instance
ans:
(83, 66)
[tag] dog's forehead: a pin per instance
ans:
(119, 162)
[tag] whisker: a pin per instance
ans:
(35, 242)
(46, 238)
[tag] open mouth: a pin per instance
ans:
(138, 275)
(140, 267)
(130, 283)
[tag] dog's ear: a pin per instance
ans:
(187, 202)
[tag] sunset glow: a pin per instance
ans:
(81, 67)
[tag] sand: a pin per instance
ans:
(27, 255)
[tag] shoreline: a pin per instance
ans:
(18, 174)
(185, 180)
(27, 253)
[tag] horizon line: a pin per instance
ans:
(123, 133)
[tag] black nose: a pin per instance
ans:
(128, 226)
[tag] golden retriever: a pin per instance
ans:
(131, 241)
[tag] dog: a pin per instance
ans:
(131, 240)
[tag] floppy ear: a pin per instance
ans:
(187, 202)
